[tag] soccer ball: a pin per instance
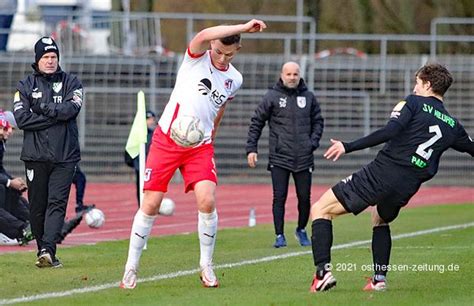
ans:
(187, 131)
(167, 207)
(95, 218)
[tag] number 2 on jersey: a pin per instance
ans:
(421, 150)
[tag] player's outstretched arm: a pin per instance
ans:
(200, 42)
(335, 151)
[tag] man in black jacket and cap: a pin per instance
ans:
(45, 106)
(296, 126)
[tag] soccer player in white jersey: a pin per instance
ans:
(205, 81)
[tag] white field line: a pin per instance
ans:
(221, 266)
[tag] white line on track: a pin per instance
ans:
(221, 266)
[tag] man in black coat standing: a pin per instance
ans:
(45, 106)
(296, 126)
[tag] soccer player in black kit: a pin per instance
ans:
(420, 129)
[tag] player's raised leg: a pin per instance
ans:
(322, 213)
(207, 230)
(141, 228)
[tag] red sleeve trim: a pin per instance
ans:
(195, 55)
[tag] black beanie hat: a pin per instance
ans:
(44, 45)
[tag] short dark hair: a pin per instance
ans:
(230, 40)
(438, 76)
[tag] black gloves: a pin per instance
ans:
(49, 109)
(36, 108)
(46, 109)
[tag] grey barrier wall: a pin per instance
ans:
(347, 87)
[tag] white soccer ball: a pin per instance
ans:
(95, 218)
(187, 131)
(167, 207)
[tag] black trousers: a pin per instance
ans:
(280, 181)
(79, 180)
(49, 185)
(14, 214)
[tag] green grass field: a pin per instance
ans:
(91, 273)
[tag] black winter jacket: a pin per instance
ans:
(296, 126)
(45, 108)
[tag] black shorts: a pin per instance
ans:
(374, 185)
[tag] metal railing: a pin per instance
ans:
(134, 33)
(443, 21)
(347, 89)
(356, 94)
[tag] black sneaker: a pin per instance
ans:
(45, 260)
(27, 235)
(56, 263)
(84, 208)
(69, 226)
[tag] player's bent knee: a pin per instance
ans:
(207, 208)
(149, 210)
(206, 204)
(327, 207)
(321, 210)
(151, 203)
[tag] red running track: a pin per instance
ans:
(118, 202)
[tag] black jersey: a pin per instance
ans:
(427, 130)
